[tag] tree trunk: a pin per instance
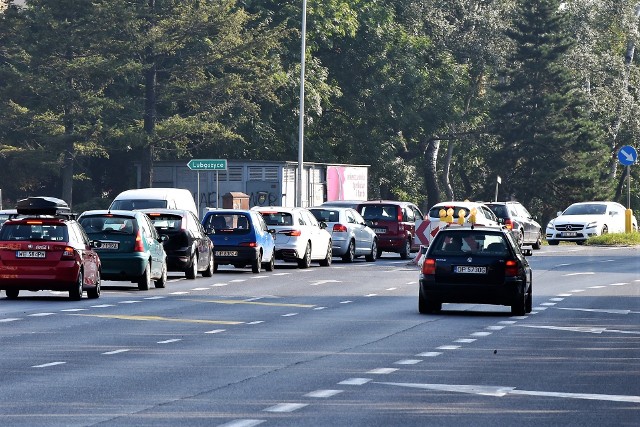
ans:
(446, 172)
(431, 175)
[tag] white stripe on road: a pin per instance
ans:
(323, 393)
(46, 365)
(169, 341)
(285, 407)
(122, 350)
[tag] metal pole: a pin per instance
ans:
(628, 187)
(217, 190)
(301, 118)
(198, 189)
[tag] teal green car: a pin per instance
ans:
(128, 245)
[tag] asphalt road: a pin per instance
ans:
(341, 346)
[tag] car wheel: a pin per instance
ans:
(162, 281)
(519, 306)
(326, 262)
(305, 262)
(271, 265)
(374, 252)
(351, 252)
(426, 305)
(210, 267)
(75, 293)
(538, 241)
(95, 292)
(144, 282)
(12, 293)
(378, 252)
(520, 237)
(192, 271)
(406, 250)
(256, 264)
(215, 267)
(553, 242)
(529, 301)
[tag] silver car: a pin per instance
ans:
(350, 235)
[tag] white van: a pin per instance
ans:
(166, 198)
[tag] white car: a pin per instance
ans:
(351, 236)
(587, 219)
(299, 236)
(484, 216)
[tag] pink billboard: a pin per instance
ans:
(346, 183)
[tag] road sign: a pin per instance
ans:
(207, 164)
(627, 155)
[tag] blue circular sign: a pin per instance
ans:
(627, 155)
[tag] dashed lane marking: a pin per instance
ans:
(161, 319)
(169, 341)
(271, 304)
(46, 365)
(41, 314)
(285, 407)
(122, 350)
(10, 319)
(323, 393)
(242, 423)
(355, 381)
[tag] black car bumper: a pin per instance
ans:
(506, 293)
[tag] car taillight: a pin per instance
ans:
(429, 266)
(399, 210)
(292, 233)
(249, 244)
(508, 223)
(339, 228)
(68, 253)
(138, 247)
(511, 268)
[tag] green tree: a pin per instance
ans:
(550, 152)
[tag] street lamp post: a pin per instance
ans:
(301, 121)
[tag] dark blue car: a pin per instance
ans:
(240, 238)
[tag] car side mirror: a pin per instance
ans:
(322, 225)
(558, 213)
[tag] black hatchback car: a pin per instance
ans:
(475, 265)
(517, 218)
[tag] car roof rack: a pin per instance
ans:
(44, 206)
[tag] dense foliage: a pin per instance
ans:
(439, 97)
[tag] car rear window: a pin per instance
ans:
(166, 222)
(108, 224)
(326, 215)
(229, 223)
(379, 212)
(131, 204)
(34, 232)
(501, 211)
(277, 218)
(469, 242)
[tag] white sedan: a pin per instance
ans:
(299, 236)
(587, 219)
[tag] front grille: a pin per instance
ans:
(569, 227)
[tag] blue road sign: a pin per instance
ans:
(627, 155)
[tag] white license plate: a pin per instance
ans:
(31, 254)
(569, 234)
(470, 269)
(109, 245)
(380, 230)
(226, 253)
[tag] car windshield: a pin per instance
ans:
(34, 232)
(469, 242)
(277, 218)
(434, 212)
(108, 224)
(131, 204)
(379, 212)
(326, 215)
(586, 209)
(227, 223)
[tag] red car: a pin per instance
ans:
(46, 249)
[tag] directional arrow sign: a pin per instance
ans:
(207, 164)
(627, 155)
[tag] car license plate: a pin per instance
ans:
(109, 245)
(569, 234)
(470, 269)
(31, 254)
(226, 253)
(380, 230)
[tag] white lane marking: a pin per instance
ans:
(382, 371)
(507, 322)
(10, 319)
(242, 423)
(200, 289)
(522, 317)
(619, 284)
(346, 302)
(494, 328)
(319, 308)
(583, 273)
(237, 280)
(179, 293)
(280, 274)
(215, 331)
(323, 393)
(392, 289)
(561, 265)
(548, 304)
(499, 391)
(46, 365)
(255, 322)
(575, 291)
(564, 295)
(122, 350)
(102, 306)
(448, 347)
(218, 284)
(74, 309)
(407, 362)
(556, 299)
(169, 341)
(371, 295)
(411, 283)
(322, 282)
(607, 260)
(129, 302)
(465, 340)
(597, 287)
(568, 328)
(41, 314)
(285, 407)
(429, 354)
(540, 308)
(289, 314)
(355, 381)
(481, 334)
(156, 297)
(599, 310)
